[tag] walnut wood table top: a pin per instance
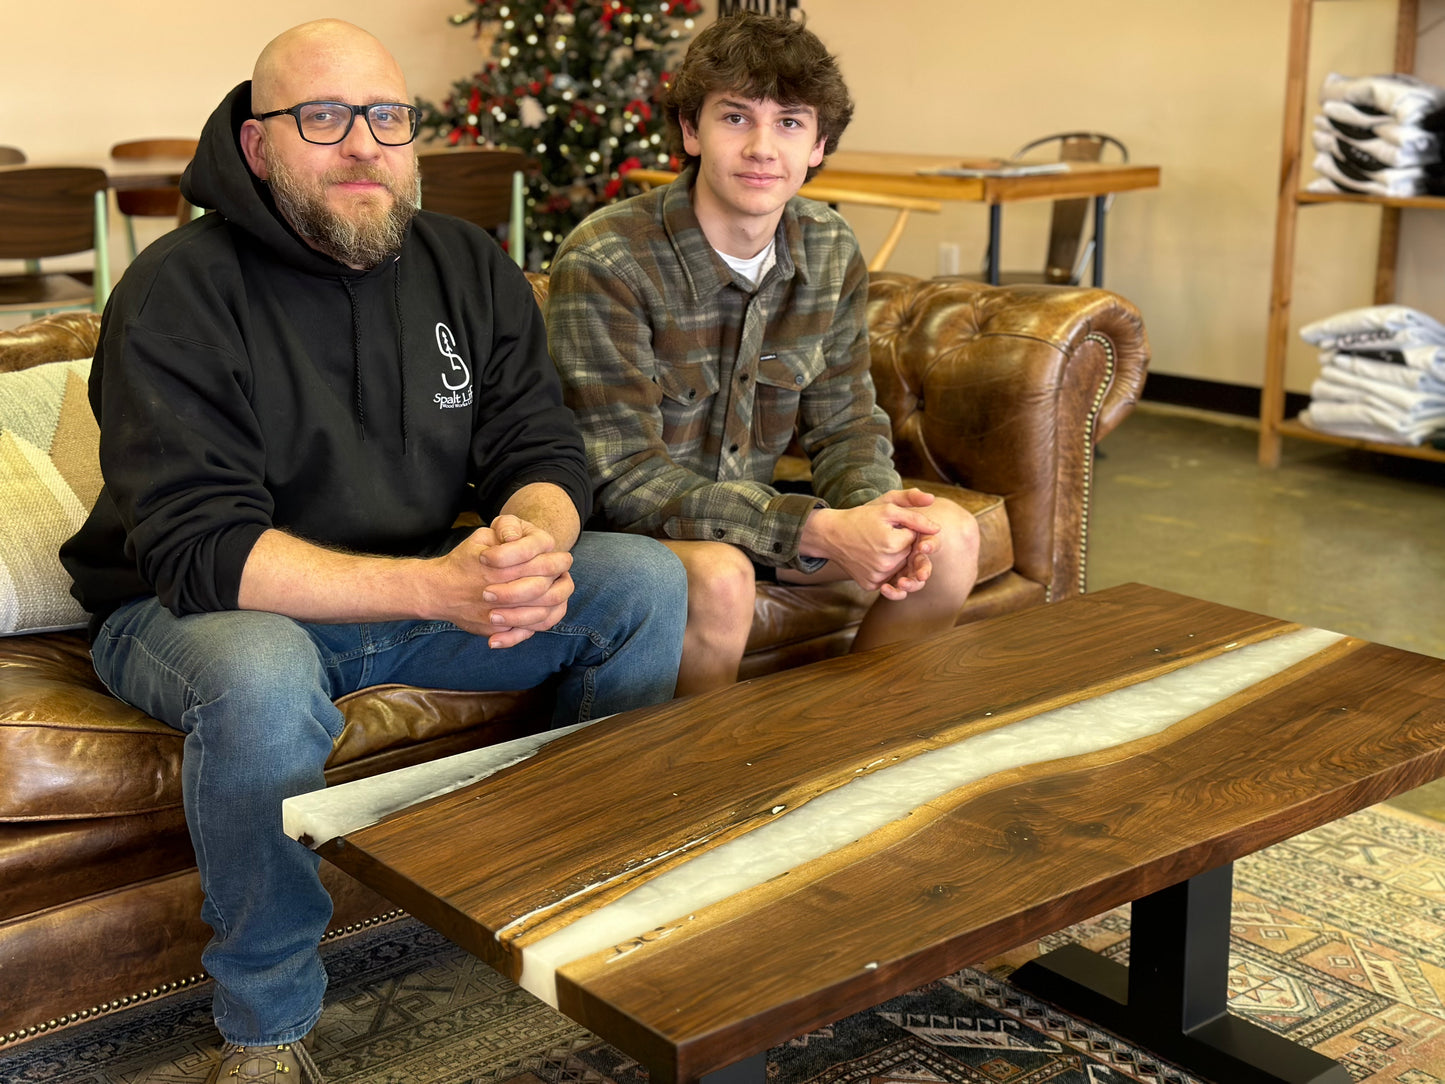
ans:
(965, 874)
(123, 173)
(915, 176)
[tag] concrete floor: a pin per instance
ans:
(1334, 538)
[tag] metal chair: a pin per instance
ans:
(484, 185)
(11, 156)
(164, 202)
(48, 211)
(1069, 252)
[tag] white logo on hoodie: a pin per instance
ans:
(456, 378)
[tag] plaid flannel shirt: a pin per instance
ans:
(688, 384)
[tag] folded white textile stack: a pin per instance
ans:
(1393, 325)
(1378, 135)
(1382, 374)
(1419, 367)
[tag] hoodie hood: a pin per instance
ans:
(219, 179)
(245, 382)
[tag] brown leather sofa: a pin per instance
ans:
(1003, 390)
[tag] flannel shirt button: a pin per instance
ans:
(743, 378)
(777, 547)
(718, 532)
(692, 393)
(798, 379)
(732, 447)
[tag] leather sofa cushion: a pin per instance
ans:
(69, 750)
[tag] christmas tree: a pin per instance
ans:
(576, 85)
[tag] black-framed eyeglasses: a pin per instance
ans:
(392, 124)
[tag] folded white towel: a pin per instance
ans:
(1401, 183)
(1377, 125)
(1426, 359)
(1354, 116)
(1365, 423)
(1409, 405)
(1406, 98)
(1373, 153)
(1384, 325)
(1422, 378)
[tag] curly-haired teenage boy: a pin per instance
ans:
(700, 325)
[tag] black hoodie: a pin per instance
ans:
(245, 381)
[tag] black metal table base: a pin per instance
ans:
(753, 1070)
(1172, 998)
(995, 234)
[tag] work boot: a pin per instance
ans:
(288, 1063)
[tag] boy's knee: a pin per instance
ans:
(720, 579)
(958, 523)
(957, 556)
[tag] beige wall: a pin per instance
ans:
(81, 76)
(1195, 86)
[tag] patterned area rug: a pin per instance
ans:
(1338, 943)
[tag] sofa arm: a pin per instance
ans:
(61, 336)
(1007, 390)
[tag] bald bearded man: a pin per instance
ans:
(298, 395)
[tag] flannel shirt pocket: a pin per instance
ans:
(687, 400)
(782, 379)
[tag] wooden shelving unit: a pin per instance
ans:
(1273, 426)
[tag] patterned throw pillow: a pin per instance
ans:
(49, 478)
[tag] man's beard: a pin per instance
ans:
(371, 235)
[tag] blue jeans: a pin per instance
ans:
(253, 692)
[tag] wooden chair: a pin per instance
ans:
(833, 195)
(48, 211)
(484, 185)
(1068, 252)
(11, 156)
(162, 202)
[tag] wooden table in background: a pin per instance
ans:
(982, 869)
(121, 174)
(124, 173)
(899, 175)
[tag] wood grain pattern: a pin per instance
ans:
(47, 211)
(1427, 203)
(1286, 228)
(474, 183)
(708, 767)
(124, 173)
(976, 872)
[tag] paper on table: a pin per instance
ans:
(995, 167)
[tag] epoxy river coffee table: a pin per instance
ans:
(700, 881)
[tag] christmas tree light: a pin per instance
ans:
(575, 85)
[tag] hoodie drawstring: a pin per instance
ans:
(355, 360)
(400, 351)
(400, 347)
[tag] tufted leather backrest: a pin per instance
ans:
(979, 381)
(1045, 354)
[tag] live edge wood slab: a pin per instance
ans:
(979, 869)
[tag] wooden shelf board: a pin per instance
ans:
(1432, 203)
(1294, 428)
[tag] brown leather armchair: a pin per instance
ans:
(1005, 391)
